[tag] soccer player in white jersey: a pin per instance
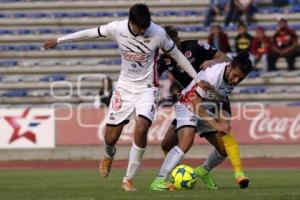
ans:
(139, 41)
(201, 110)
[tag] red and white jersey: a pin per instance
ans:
(139, 53)
(214, 75)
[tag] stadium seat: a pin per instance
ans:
(15, 93)
(24, 31)
(253, 90)
(8, 63)
(102, 14)
(253, 74)
(7, 48)
(111, 62)
(4, 32)
(122, 14)
(294, 104)
(190, 28)
(53, 78)
(66, 30)
(45, 31)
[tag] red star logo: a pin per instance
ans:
(13, 122)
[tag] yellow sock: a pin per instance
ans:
(233, 152)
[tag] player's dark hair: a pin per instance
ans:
(172, 32)
(139, 14)
(243, 62)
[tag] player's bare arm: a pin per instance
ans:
(221, 125)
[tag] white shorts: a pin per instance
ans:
(126, 100)
(186, 118)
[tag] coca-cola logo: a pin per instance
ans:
(135, 56)
(265, 126)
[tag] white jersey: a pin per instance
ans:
(139, 53)
(214, 75)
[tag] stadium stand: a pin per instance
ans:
(27, 72)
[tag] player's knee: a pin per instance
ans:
(140, 129)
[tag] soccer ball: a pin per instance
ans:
(184, 177)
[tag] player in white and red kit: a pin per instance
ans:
(139, 41)
(200, 111)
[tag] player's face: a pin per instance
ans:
(137, 30)
(234, 76)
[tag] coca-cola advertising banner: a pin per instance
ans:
(251, 124)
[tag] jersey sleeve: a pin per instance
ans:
(205, 49)
(108, 30)
(166, 43)
(211, 77)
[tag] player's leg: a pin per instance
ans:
(136, 152)
(215, 157)
(233, 153)
(186, 122)
(112, 134)
(118, 114)
(144, 106)
(170, 139)
(186, 138)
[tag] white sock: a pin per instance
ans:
(171, 161)
(110, 151)
(135, 159)
(213, 160)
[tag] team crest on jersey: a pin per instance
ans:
(116, 101)
(167, 61)
(147, 40)
(188, 54)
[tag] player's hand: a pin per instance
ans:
(49, 44)
(206, 64)
(205, 86)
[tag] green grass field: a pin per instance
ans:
(88, 185)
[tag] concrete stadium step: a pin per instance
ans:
(267, 98)
(61, 69)
(103, 20)
(60, 54)
(271, 81)
(100, 5)
(48, 85)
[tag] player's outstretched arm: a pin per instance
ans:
(188, 68)
(77, 36)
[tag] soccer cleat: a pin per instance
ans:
(127, 186)
(161, 184)
(241, 180)
(204, 175)
(105, 166)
